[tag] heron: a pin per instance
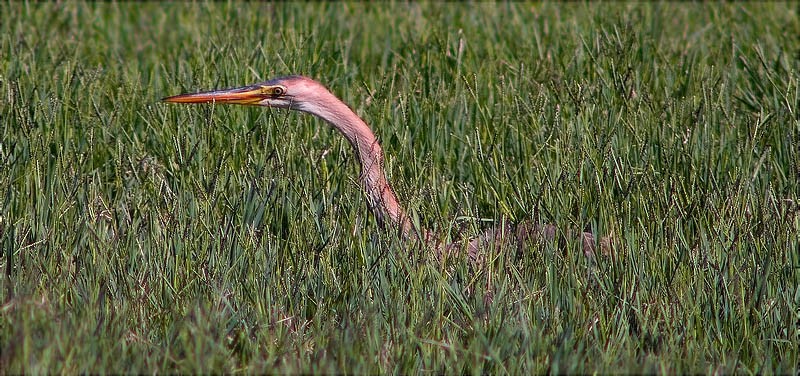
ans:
(304, 94)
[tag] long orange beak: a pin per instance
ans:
(248, 95)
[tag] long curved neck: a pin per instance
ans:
(380, 196)
(383, 201)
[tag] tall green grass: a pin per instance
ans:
(141, 237)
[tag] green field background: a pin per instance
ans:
(141, 237)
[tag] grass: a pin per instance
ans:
(140, 237)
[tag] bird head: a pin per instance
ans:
(292, 92)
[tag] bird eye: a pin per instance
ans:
(278, 90)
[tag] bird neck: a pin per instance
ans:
(380, 196)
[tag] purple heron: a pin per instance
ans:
(306, 95)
